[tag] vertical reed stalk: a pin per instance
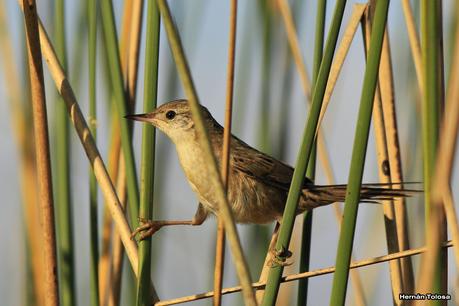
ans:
(18, 93)
(94, 248)
(62, 171)
(386, 83)
(148, 150)
(225, 170)
(215, 179)
(346, 238)
(431, 108)
(274, 278)
(40, 123)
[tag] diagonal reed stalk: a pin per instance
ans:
(203, 139)
(415, 45)
(294, 277)
(40, 123)
(62, 173)
(93, 203)
(311, 170)
(148, 150)
(343, 258)
(286, 228)
(225, 170)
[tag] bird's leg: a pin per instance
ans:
(279, 257)
(148, 228)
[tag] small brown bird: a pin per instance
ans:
(258, 183)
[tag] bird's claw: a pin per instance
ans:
(146, 229)
(279, 257)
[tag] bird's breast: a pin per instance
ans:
(196, 170)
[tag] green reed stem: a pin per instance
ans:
(431, 112)
(62, 177)
(92, 48)
(275, 274)
(343, 258)
(148, 150)
(116, 77)
(311, 171)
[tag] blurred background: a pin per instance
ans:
(269, 113)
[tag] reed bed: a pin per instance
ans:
(261, 63)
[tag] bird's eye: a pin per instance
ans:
(170, 115)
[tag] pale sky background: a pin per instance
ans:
(186, 255)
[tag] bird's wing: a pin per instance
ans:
(260, 166)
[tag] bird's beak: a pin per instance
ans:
(140, 117)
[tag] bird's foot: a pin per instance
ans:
(279, 257)
(146, 228)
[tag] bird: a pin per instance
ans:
(258, 184)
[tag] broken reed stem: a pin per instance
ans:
(40, 123)
(225, 171)
(294, 277)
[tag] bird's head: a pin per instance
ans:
(172, 118)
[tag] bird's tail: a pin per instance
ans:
(319, 195)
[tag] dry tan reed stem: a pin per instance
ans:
(125, 33)
(294, 277)
(116, 262)
(414, 42)
(107, 228)
(40, 123)
(386, 83)
(385, 176)
(28, 170)
(220, 244)
(295, 45)
(91, 150)
(358, 11)
(133, 51)
(448, 143)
